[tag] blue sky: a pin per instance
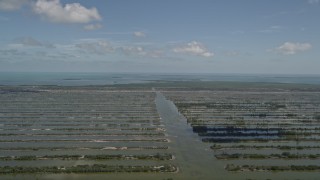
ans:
(167, 36)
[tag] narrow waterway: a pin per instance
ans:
(194, 158)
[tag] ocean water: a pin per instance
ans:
(78, 79)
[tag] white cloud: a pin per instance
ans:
(139, 34)
(133, 50)
(54, 11)
(96, 47)
(141, 51)
(103, 47)
(313, 1)
(193, 48)
(271, 29)
(156, 53)
(91, 27)
(11, 5)
(29, 41)
(289, 48)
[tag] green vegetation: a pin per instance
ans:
(281, 147)
(96, 168)
(88, 157)
(120, 124)
(81, 125)
(85, 140)
(83, 148)
(237, 120)
(284, 155)
(85, 134)
(232, 167)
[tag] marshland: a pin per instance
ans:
(161, 130)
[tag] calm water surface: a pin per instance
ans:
(80, 79)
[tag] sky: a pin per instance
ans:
(167, 36)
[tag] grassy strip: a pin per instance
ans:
(96, 168)
(83, 148)
(91, 129)
(282, 147)
(284, 155)
(85, 134)
(232, 167)
(88, 157)
(264, 140)
(87, 140)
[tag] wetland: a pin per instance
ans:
(160, 130)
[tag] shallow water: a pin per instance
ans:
(196, 160)
(83, 79)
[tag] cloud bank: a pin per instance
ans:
(193, 48)
(11, 5)
(91, 27)
(289, 48)
(139, 34)
(54, 11)
(100, 47)
(29, 41)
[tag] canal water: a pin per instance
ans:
(196, 160)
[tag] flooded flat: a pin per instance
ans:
(164, 131)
